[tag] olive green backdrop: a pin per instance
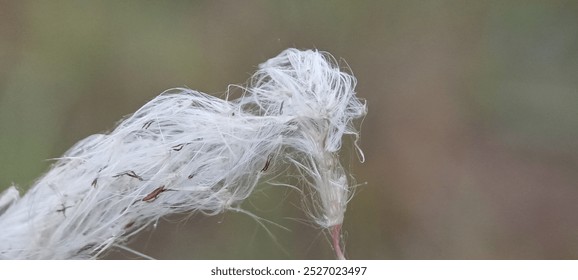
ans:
(471, 138)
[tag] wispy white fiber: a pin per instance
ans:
(186, 151)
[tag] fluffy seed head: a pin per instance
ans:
(187, 151)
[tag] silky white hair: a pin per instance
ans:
(186, 151)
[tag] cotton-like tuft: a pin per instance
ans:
(186, 151)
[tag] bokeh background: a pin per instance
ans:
(471, 138)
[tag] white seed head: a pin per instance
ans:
(187, 151)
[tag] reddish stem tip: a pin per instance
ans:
(336, 238)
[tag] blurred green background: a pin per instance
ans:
(471, 138)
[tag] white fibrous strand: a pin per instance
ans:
(185, 152)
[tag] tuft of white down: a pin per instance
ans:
(186, 151)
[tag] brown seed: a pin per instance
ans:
(147, 124)
(178, 147)
(129, 173)
(127, 226)
(153, 195)
(266, 164)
